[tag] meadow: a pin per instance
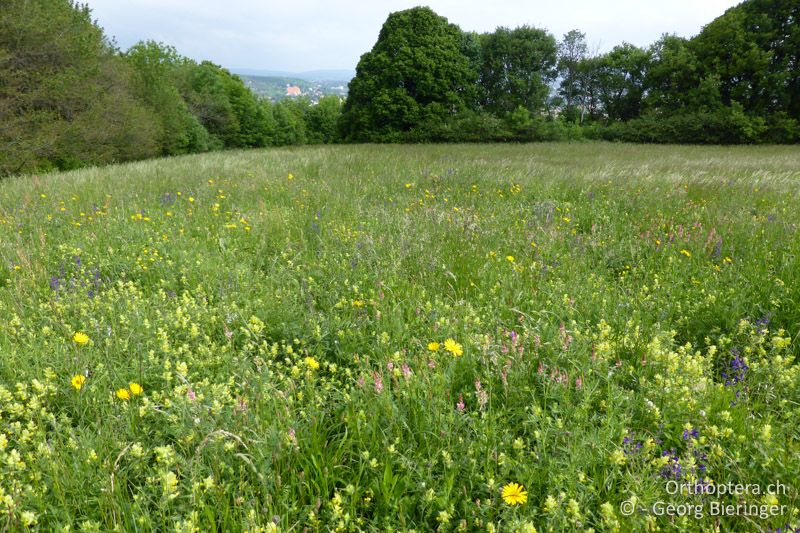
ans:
(532, 337)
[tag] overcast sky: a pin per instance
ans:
(299, 35)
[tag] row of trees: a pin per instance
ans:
(69, 97)
(425, 79)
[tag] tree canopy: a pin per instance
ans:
(69, 97)
(415, 75)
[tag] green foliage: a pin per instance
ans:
(69, 98)
(322, 120)
(739, 73)
(60, 79)
(621, 81)
(517, 67)
(290, 127)
(415, 74)
(156, 66)
(572, 53)
(725, 125)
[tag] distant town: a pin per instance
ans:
(276, 88)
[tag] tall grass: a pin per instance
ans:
(621, 319)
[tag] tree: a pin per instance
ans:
(290, 128)
(322, 119)
(156, 68)
(588, 87)
(58, 74)
(572, 51)
(415, 74)
(620, 78)
(517, 68)
(726, 49)
(673, 76)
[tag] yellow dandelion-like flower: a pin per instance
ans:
(434, 346)
(77, 381)
(687, 253)
(510, 258)
(80, 338)
(515, 494)
(135, 388)
(123, 394)
(453, 347)
(311, 363)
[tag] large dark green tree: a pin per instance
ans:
(416, 76)
(753, 49)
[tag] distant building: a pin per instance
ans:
(293, 90)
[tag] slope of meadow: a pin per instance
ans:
(387, 337)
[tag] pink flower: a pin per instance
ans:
(190, 393)
(460, 404)
(378, 382)
(406, 371)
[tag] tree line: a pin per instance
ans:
(737, 81)
(69, 97)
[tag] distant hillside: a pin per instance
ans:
(344, 75)
(274, 87)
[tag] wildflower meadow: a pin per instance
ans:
(502, 338)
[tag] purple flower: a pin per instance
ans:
(738, 369)
(687, 434)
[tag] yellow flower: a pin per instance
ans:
(618, 457)
(433, 346)
(311, 363)
(515, 494)
(687, 253)
(510, 258)
(123, 394)
(80, 338)
(78, 381)
(453, 347)
(28, 519)
(135, 388)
